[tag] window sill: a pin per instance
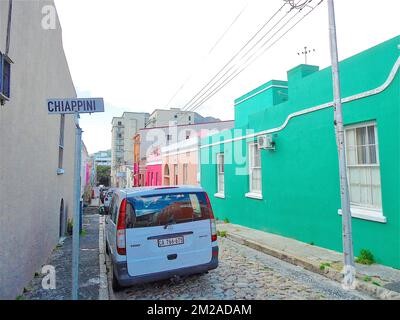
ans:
(254, 195)
(219, 195)
(60, 171)
(366, 214)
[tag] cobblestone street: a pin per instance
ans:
(244, 273)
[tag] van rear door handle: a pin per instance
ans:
(172, 256)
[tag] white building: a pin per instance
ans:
(102, 158)
(36, 198)
(123, 130)
(162, 117)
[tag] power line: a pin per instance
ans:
(210, 51)
(234, 56)
(233, 76)
(244, 55)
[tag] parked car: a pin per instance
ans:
(107, 199)
(155, 233)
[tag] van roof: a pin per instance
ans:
(143, 191)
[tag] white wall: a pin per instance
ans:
(30, 189)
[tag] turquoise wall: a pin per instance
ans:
(300, 183)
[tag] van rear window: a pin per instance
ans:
(159, 210)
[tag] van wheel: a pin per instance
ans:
(114, 282)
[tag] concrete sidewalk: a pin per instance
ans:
(90, 282)
(378, 280)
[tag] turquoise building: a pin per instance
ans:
(277, 169)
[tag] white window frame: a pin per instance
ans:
(358, 210)
(220, 175)
(60, 169)
(255, 194)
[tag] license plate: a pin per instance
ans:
(170, 241)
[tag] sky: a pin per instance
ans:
(138, 54)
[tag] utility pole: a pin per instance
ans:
(349, 270)
(75, 106)
(76, 222)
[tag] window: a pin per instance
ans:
(166, 175)
(220, 173)
(176, 116)
(169, 137)
(363, 167)
(190, 118)
(254, 170)
(187, 135)
(5, 74)
(175, 174)
(159, 210)
(185, 173)
(60, 169)
(119, 123)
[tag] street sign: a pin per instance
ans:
(78, 105)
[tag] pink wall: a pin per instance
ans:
(88, 170)
(153, 175)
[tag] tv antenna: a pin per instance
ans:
(306, 52)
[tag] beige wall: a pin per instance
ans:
(30, 189)
(190, 159)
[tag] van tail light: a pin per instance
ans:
(213, 226)
(121, 229)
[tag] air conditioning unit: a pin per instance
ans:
(265, 142)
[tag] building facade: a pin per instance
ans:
(163, 117)
(180, 160)
(85, 169)
(36, 155)
(280, 162)
(154, 140)
(102, 158)
(123, 131)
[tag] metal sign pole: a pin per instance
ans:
(349, 270)
(76, 106)
(76, 224)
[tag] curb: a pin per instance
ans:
(330, 273)
(103, 288)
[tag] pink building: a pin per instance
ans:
(180, 160)
(154, 168)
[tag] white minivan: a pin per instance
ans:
(155, 233)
